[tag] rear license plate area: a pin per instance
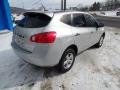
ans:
(19, 39)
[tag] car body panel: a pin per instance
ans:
(49, 54)
(96, 34)
(82, 40)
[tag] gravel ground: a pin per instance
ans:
(95, 69)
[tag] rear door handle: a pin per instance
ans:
(77, 34)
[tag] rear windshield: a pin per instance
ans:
(34, 20)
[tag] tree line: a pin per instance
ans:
(97, 6)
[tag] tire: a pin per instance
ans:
(67, 61)
(100, 43)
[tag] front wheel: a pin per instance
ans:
(66, 61)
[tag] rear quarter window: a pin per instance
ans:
(66, 19)
(34, 20)
(78, 20)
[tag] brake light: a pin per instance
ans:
(46, 37)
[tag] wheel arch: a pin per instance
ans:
(73, 46)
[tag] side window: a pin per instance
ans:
(78, 20)
(66, 19)
(90, 21)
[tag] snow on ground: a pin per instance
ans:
(95, 69)
(16, 17)
(5, 40)
(110, 13)
(106, 13)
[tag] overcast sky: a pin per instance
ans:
(31, 4)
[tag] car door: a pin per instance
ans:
(91, 24)
(80, 32)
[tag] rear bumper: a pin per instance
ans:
(48, 60)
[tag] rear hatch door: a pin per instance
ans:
(31, 24)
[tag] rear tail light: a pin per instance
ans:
(46, 37)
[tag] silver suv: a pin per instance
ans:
(55, 38)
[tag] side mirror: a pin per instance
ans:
(100, 25)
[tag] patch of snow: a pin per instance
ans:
(5, 40)
(17, 17)
(106, 13)
(110, 13)
(95, 69)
